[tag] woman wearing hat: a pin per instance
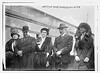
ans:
(10, 49)
(42, 50)
(84, 46)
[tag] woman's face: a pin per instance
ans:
(15, 36)
(44, 33)
(82, 30)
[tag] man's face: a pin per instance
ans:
(25, 34)
(15, 36)
(44, 33)
(61, 31)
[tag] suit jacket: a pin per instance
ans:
(85, 48)
(65, 43)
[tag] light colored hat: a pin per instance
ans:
(14, 31)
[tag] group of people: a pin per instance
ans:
(29, 53)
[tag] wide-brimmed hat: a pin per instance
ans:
(61, 26)
(14, 31)
(25, 29)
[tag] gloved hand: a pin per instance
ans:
(58, 53)
(19, 53)
(47, 54)
(86, 59)
(47, 64)
(77, 58)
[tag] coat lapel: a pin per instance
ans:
(44, 43)
(59, 39)
(64, 37)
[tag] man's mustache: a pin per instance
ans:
(61, 32)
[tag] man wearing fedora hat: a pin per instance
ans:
(25, 50)
(62, 47)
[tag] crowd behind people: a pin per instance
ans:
(30, 53)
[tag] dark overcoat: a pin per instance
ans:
(40, 58)
(85, 48)
(10, 54)
(27, 45)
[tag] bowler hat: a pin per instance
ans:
(61, 26)
(25, 29)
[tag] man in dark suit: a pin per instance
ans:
(62, 47)
(25, 49)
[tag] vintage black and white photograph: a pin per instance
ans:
(48, 37)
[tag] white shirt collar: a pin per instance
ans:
(43, 38)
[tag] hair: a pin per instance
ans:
(80, 43)
(47, 30)
(87, 27)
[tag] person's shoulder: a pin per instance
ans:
(48, 38)
(32, 38)
(91, 39)
(57, 38)
(19, 40)
(69, 36)
(9, 41)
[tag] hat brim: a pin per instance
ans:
(15, 34)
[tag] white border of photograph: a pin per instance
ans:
(47, 3)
